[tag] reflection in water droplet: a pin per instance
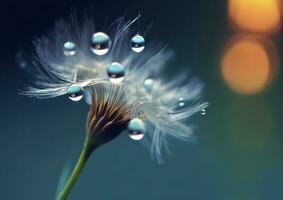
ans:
(137, 43)
(100, 43)
(75, 92)
(136, 129)
(116, 72)
(69, 48)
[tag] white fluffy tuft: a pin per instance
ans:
(158, 107)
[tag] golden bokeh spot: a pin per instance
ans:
(258, 16)
(248, 64)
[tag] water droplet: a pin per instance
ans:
(137, 43)
(100, 43)
(148, 84)
(181, 101)
(202, 111)
(136, 129)
(69, 48)
(116, 72)
(22, 64)
(75, 92)
(20, 59)
(87, 96)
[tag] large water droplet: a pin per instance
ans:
(100, 43)
(148, 84)
(203, 111)
(136, 129)
(137, 43)
(69, 48)
(75, 92)
(116, 72)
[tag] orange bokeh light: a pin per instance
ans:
(248, 64)
(257, 16)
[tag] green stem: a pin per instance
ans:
(86, 151)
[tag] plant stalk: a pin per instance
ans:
(85, 153)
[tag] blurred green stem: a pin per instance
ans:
(86, 151)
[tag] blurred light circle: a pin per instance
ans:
(257, 16)
(248, 64)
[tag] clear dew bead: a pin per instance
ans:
(202, 111)
(87, 97)
(137, 43)
(75, 92)
(148, 84)
(116, 72)
(69, 48)
(136, 128)
(100, 43)
(181, 101)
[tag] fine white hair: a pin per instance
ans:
(158, 106)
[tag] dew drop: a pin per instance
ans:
(100, 43)
(136, 128)
(181, 101)
(20, 60)
(22, 64)
(69, 48)
(202, 111)
(137, 43)
(116, 72)
(75, 92)
(148, 84)
(87, 96)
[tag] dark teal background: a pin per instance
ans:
(238, 153)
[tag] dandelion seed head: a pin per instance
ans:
(125, 88)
